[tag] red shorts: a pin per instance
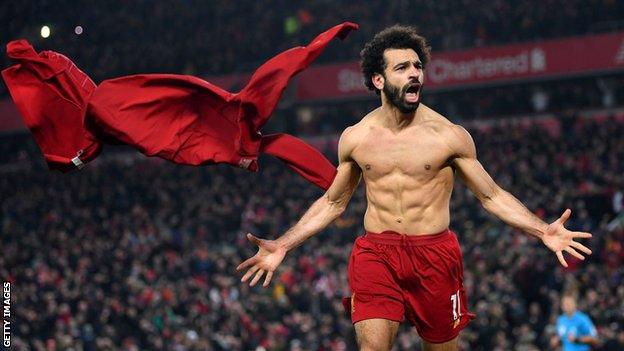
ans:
(419, 277)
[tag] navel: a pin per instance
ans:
(427, 167)
(367, 166)
(399, 220)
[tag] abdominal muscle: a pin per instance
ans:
(403, 204)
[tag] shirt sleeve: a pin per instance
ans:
(589, 326)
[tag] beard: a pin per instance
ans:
(396, 96)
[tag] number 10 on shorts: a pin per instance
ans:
(456, 305)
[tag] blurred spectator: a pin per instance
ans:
(575, 329)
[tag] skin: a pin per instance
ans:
(568, 305)
(409, 161)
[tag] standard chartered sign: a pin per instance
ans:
(443, 70)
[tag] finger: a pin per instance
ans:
(561, 259)
(581, 247)
(564, 217)
(254, 239)
(257, 277)
(581, 235)
(268, 278)
(247, 263)
(249, 273)
(574, 253)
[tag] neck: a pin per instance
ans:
(394, 119)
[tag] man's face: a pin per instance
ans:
(403, 79)
(568, 304)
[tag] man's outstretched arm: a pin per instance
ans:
(505, 206)
(324, 211)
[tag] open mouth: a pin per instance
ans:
(411, 93)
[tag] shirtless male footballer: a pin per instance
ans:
(408, 264)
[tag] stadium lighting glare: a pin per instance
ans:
(45, 31)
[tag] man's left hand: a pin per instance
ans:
(559, 239)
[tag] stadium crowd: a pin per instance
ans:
(217, 37)
(138, 254)
(214, 38)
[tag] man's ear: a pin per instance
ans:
(378, 80)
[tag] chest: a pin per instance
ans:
(572, 326)
(415, 153)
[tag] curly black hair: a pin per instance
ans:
(395, 37)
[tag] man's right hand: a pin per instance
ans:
(269, 256)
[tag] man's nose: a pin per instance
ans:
(414, 73)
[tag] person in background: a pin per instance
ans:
(575, 329)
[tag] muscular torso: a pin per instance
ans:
(407, 174)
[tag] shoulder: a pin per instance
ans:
(441, 125)
(356, 132)
(584, 316)
(456, 137)
(461, 141)
(352, 136)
